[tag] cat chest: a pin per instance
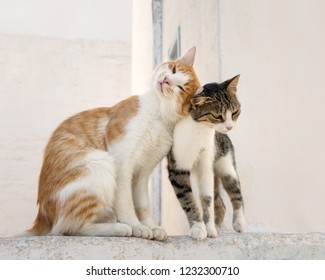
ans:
(144, 144)
(154, 138)
(192, 141)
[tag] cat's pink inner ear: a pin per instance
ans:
(199, 90)
(199, 100)
(188, 57)
(194, 102)
(232, 88)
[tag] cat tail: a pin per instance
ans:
(84, 201)
(41, 226)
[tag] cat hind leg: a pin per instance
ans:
(106, 229)
(85, 205)
(219, 206)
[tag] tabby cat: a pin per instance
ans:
(96, 166)
(201, 146)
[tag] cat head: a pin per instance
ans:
(175, 82)
(217, 104)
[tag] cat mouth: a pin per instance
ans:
(163, 87)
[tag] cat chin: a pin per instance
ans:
(164, 92)
(222, 131)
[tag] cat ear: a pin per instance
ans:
(188, 57)
(200, 100)
(232, 84)
(199, 90)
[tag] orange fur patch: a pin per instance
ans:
(63, 160)
(190, 87)
(119, 116)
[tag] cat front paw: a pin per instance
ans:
(123, 230)
(159, 234)
(198, 231)
(239, 223)
(211, 230)
(142, 231)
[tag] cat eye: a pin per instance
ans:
(174, 70)
(235, 113)
(181, 88)
(217, 118)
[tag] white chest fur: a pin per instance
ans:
(147, 140)
(191, 138)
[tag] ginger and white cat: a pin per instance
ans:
(96, 166)
(201, 147)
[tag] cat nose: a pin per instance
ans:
(166, 81)
(229, 128)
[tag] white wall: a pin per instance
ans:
(142, 44)
(278, 48)
(280, 136)
(92, 19)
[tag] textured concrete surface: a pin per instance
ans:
(228, 246)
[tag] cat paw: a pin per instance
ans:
(159, 234)
(123, 230)
(239, 223)
(142, 231)
(198, 231)
(211, 230)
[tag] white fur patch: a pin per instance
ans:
(190, 139)
(198, 231)
(227, 125)
(99, 181)
(147, 140)
(225, 166)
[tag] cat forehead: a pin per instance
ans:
(179, 66)
(183, 73)
(214, 88)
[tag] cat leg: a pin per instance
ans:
(125, 210)
(106, 229)
(232, 186)
(86, 202)
(180, 180)
(142, 206)
(205, 175)
(225, 168)
(84, 220)
(219, 206)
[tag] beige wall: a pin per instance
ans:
(142, 43)
(280, 136)
(70, 19)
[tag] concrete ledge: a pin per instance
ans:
(228, 246)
